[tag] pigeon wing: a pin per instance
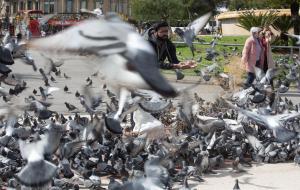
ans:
(92, 36)
(199, 23)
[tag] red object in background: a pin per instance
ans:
(34, 28)
(53, 22)
(33, 25)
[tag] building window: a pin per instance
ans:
(15, 7)
(46, 7)
(37, 5)
(49, 6)
(21, 5)
(98, 4)
(121, 4)
(83, 4)
(69, 7)
(113, 6)
(29, 5)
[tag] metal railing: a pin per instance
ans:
(287, 94)
(228, 44)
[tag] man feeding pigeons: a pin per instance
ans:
(164, 48)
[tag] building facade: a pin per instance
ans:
(69, 6)
(230, 25)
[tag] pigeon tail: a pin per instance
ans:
(36, 174)
(143, 63)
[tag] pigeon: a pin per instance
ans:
(154, 103)
(121, 47)
(66, 89)
(122, 54)
(47, 92)
(45, 78)
(77, 94)
(52, 79)
(271, 73)
(145, 123)
(192, 30)
(274, 123)
(236, 166)
(37, 172)
(52, 64)
(66, 168)
(297, 37)
(179, 74)
(96, 12)
(113, 185)
(4, 140)
(70, 106)
(95, 74)
(58, 73)
(66, 76)
(236, 185)
(4, 70)
(71, 148)
(185, 185)
(89, 100)
(27, 59)
(90, 83)
(297, 157)
(45, 18)
(6, 57)
(34, 91)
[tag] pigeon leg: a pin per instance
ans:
(123, 96)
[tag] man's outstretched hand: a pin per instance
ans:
(185, 65)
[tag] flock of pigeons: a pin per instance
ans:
(143, 138)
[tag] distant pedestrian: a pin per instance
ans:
(252, 55)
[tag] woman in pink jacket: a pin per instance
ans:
(252, 55)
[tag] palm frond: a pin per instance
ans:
(283, 23)
(249, 19)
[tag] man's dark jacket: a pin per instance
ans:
(164, 49)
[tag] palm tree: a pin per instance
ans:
(249, 19)
(283, 24)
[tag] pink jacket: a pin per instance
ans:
(249, 55)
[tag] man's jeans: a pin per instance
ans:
(249, 80)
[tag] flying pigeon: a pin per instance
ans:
(96, 12)
(297, 37)
(125, 59)
(193, 29)
(128, 59)
(275, 123)
(37, 172)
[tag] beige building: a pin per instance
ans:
(229, 21)
(69, 6)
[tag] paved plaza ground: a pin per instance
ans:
(281, 176)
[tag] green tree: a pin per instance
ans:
(170, 9)
(283, 24)
(258, 4)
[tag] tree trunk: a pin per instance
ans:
(284, 38)
(295, 18)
